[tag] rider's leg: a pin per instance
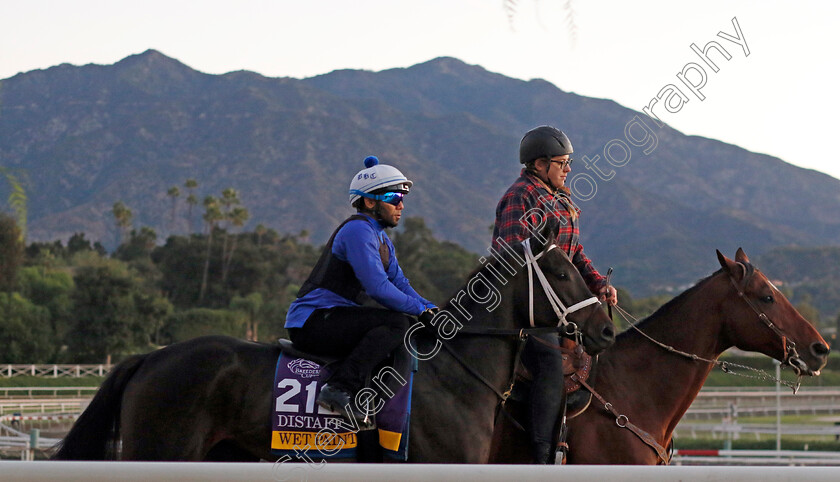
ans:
(544, 360)
(364, 336)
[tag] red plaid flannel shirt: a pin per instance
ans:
(524, 208)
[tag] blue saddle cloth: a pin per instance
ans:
(300, 428)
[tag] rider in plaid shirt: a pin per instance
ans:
(527, 205)
(537, 198)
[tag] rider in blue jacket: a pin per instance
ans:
(358, 264)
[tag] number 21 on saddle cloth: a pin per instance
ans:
(299, 426)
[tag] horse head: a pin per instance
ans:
(761, 319)
(573, 307)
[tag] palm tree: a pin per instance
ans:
(192, 200)
(123, 217)
(260, 230)
(11, 255)
(230, 198)
(173, 192)
(212, 215)
(238, 216)
(17, 199)
(251, 306)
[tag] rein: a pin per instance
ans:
(790, 347)
(564, 326)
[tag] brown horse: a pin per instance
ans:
(651, 387)
(211, 398)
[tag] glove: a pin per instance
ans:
(426, 316)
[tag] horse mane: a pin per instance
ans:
(496, 261)
(680, 298)
(467, 302)
(425, 338)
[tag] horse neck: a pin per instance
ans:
(450, 399)
(492, 356)
(648, 376)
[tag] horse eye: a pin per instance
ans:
(767, 299)
(563, 275)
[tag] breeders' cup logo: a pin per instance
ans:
(304, 368)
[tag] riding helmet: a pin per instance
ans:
(377, 178)
(543, 141)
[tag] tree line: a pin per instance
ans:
(73, 302)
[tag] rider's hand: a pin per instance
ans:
(426, 316)
(609, 295)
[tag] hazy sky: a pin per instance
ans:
(780, 99)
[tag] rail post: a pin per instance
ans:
(34, 435)
(778, 365)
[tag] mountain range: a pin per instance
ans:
(88, 136)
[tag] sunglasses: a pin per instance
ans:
(393, 198)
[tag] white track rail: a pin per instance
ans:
(53, 371)
(185, 471)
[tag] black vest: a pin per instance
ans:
(338, 276)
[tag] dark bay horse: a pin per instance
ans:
(653, 387)
(211, 398)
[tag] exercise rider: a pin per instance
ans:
(357, 264)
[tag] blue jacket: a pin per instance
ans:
(357, 243)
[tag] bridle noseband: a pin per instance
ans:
(791, 356)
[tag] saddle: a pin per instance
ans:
(577, 366)
(287, 347)
(402, 361)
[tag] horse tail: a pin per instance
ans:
(96, 433)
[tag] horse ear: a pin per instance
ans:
(741, 256)
(542, 239)
(733, 268)
(549, 235)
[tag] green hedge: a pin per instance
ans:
(766, 363)
(829, 376)
(184, 325)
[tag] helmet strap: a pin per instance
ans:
(547, 180)
(382, 222)
(376, 214)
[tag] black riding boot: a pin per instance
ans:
(544, 454)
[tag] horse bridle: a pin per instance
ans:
(564, 326)
(791, 356)
(556, 303)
